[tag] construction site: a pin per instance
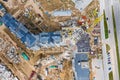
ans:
(57, 21)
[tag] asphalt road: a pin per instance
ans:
(106, 5)
(108, 10)
(105, 77)
(116, 6)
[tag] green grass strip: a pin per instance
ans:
(116, 41)
(105, 27)
(111, 75)
(107, 48)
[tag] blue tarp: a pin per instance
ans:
(30, 40)
(25, 36)
(2, 8)
(19, 29)
(50, 37)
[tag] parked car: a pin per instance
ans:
(109, 68)
(109, 31)
(106, 18)
(109, 62)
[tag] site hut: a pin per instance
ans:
(62, 13)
